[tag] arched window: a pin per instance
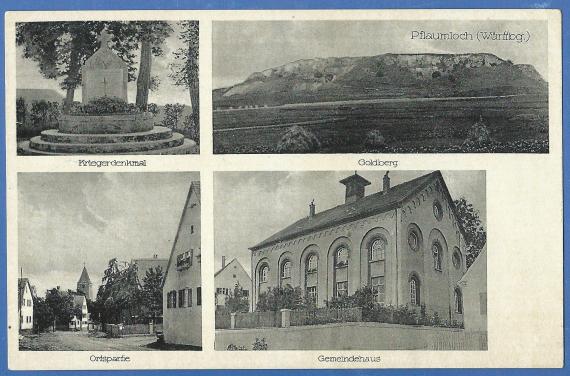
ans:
(263, 274)
(414, 290)
(456, 258)
(341, 272)
(437, 255)
(286, 270)
(311, 278)
(458, 301)
(377, 250)
(437, 210)
(341, 259)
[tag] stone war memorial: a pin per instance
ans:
(105, 123)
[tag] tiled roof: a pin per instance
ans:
(21, 287)
(364, 207)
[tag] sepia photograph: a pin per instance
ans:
(107, 87)
(109, 261)
(359, 260)
(380, 86)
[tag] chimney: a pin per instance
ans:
(386, 183)
(355, 185)
(312, 208)
(223, 262)
(155, 256)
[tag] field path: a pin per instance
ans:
(311, 122)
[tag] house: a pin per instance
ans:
(25, 304)
(79, 321)
(84, 285)
(226, 279)
(182, 288)
(144, 264)
(405, 242)
(474, 288)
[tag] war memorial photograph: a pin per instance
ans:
(107, 87)
(393, 260)
(100, 270)
(380, 86)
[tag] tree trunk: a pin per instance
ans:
(68, 99)
(195, 99)
(143, 80)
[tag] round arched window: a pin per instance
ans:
(456, 258)
(286, 269)
(263, 273)
(437, 210)
(312, 264)
(342, 257)
(437, 255)
(414, 240)
(378, 250)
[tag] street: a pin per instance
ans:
(83, 341)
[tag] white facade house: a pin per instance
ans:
(25, 304)
(474, 287)
(182, 288)
(226, 279)
(80, 322)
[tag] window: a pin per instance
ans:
(189, 297)
(456, 258)
(184, 260)
(264, 273)
(171, 299)
(377, 250)
(198, 296)
(245, 293)
(436, 249)
(181, 298)
(378, 289)
(191, 229)
(414, 240)
(458, 301)
(286, 270)
(341, 289)
(312, 294)
(437, 210)
(312, 264)
(341, 257)
(414, 291)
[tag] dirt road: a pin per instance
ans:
(82, 341)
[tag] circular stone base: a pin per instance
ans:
(176, 144)
(106, 124)
(56, 136)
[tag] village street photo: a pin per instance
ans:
(107, 87)
(109, 261)
(350, 260)
(380, 86)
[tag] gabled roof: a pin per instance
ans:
(85, 276)
(78, 300)
(105, 58)
(228, 264)
(369, 205)
(194, 190)
(22, 282)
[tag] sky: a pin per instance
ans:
(241, 48)
(67, 219)
(29, 77)
(263, 203)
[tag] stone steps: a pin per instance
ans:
(140, 147)
(55, 136)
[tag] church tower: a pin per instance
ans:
(84, 284)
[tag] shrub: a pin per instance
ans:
(298, 140)
(21, 110)
(191, 129)
(479, 134)
(105, 106)
(277, 298)
(436, 74)
(172, 115)
(44, 113)
(260, 344)
(375, 139)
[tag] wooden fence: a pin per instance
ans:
(258, 319)
(223, 319)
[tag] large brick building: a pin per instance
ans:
(405, 242)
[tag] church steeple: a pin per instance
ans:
(84, 284)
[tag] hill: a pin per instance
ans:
(382, 76)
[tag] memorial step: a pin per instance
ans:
(55, 136)
(36, 143)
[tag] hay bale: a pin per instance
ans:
(298, 140)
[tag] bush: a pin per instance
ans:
(277, 298)
(298, 140)
(436, 74)
(191, 129)
(375, 139)
(260, 344)
(172, 115)
(21, 110)
(479, 134)
(104, 106)
(43, 113)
